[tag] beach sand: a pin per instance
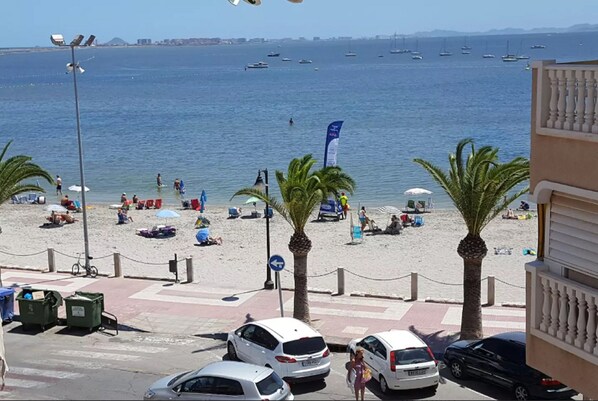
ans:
(240, 263)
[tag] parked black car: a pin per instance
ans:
(500, 360)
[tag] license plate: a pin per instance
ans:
(311, 362)
(416, 372)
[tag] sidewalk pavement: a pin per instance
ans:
(193, 309)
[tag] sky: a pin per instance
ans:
(27, 23)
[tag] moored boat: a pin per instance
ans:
(259, 64)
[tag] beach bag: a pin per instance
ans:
(367, 375)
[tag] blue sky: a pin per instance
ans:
(30, 22)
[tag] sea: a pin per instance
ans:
(197, 114)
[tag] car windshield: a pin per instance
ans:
(304, 346)
(410, 356)
(270, 384)
(177, 377)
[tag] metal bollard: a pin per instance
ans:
(491, 290)
(189, 262)
(413, 286)
(340, 276)
(51, 261)
(118, 272)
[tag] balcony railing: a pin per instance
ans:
(566, 99)
(564, 313)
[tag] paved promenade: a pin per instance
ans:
(195, 309)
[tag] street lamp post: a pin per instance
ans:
(259, 184)
(58, 40)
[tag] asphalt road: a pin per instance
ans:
(71, 364)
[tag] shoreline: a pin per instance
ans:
(380, 265)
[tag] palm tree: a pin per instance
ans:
(478, 185)
(14, 171)
(302, 190)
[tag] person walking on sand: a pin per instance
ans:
(362, 374)
(344, 204)
(58, 185)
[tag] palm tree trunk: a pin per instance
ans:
(300, 303)
(471, 318)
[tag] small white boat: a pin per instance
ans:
(259, 64)
(304, 61)
(350, 54)
(273, 54)
(527, 67)
(522, 57)
(417, 57)
(443, 51)
(537, 47)
(488, 55)
(286, 59)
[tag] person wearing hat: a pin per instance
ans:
(123, 198)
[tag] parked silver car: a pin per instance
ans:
(222, 380)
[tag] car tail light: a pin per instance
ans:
(432, 356)
(285, 359)
(549, 382)
(393, 366)
(326, 353)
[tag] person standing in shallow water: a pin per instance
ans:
(58, 185)
(159, 180)
(291, 122)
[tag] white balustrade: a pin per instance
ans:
(567, 314)
(569, 92)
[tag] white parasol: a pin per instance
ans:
(389, 210)
(56, 208)
(417, 191)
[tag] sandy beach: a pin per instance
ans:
(372, 266)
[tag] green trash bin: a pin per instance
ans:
(84, 309)
(39, 306)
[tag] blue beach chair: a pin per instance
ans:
(418, 221)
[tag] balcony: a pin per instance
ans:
(563, 313)
(564, 123)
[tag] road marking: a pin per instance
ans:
(127, 348)
(151, 293)
(57, 374)
(393, 310)
(355, 330)
(96, 365)
(10, 382)
(98, 355)
(453, 317)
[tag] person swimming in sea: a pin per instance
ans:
(291, 122)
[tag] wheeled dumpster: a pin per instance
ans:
(7, 304)
(39, 307)
(84, 309)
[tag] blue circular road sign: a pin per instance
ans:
(276, 263)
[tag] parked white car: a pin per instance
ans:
(222, 380)
(399, 360)
(293, 349)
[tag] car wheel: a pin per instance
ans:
(457, 370)
(383, 385)
(231, 352)
(520, 393)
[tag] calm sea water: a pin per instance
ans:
(195, 113)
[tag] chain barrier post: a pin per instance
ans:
(413, 286)
(117, 267)
(51, 261)
(189, 262)
(491, 290)
(340, 277)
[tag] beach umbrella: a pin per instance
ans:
(203, 198)
(77, 188)
(389, 210)
(56, 208)
(417, 191)
(253, 200)
(167, 214)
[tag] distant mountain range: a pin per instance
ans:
(116, 42)
(509, 31)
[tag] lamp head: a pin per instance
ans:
(259, 182)
(77, 40)
(57, 39)
(254, 2)
(90, 40)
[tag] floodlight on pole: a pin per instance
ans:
(74, 67)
